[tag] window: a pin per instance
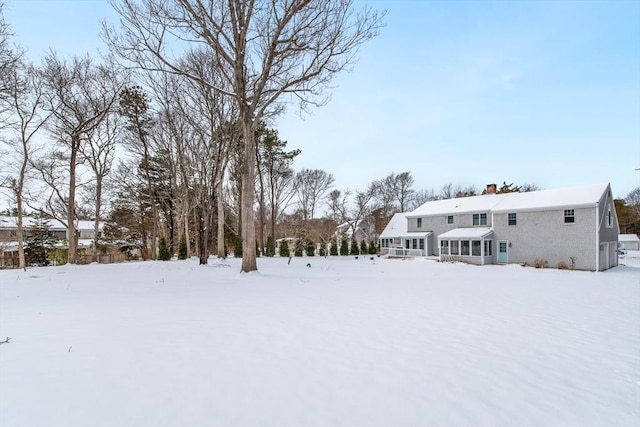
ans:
(480, 219)
(512, 219)
(444, 247)
(414, 244)
(450, 219)
(487, 248)
(455, 247)
(421, 244)
(609, 217)
(419, 222)
(464, 247)
(475, 247)
(569, 216)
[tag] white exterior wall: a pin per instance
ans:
(544, 235)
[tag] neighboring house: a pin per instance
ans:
(575, 226)
(629, 242)
(362, 231)
(85, 230)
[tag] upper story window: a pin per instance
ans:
(419, 222)
(609, 217)
(569, 216)
(450, 219)
(480, 219)
(512, 219)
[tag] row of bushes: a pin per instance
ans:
(301, 247)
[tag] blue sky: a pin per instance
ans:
(468, 92)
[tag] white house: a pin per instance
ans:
(574, 226)
(629, 242)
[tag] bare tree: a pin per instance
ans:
(385, 196)
(633, 201)
(79, 95)
(265, 49)
(423, 196)
(404, 192)
(99, 153)
(311, 186)
(24, 90)
(450, 191)
(9, 61)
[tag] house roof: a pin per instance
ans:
(587, 195)
(467, 233)
(11, 222)
(396, 227)
(628, 238)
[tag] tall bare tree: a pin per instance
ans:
(99, 154)
(265, 49)
(311, 186)
(24, 90)
(79, 94)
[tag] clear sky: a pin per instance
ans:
(468, 92)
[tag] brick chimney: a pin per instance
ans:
(491, 188)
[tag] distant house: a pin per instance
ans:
(363, 230)
(576, 226)
(85, 230)
(629, 242)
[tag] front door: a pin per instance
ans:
(503, 251)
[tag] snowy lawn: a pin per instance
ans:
(344, 342)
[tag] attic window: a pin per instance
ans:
(419, 222)
(569, 216)
(450, 219)
(512, 219)
(609, 217)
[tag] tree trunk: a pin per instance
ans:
(96, 226)
(20, 234)
(202, 238)
(247, 197)
(72, 242)
(220, 207)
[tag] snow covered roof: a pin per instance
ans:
(587, 195)
(628, 238)
(458, 205)
(396, 227)
(467, 233)
(11, 222)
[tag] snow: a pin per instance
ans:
(468, 233)
(582, 196)
(357, 342)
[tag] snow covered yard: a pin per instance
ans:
(344, 342)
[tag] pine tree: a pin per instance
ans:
(38, 241)
(373, 248)
(163, 250)
(284, 249)
(323, 249)
(363, 248)
(270, 249)
(355, 250)
(237, 248)
(344, 247)
(311, 248)
(182, 248)
(299, 247)
(333, 251)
